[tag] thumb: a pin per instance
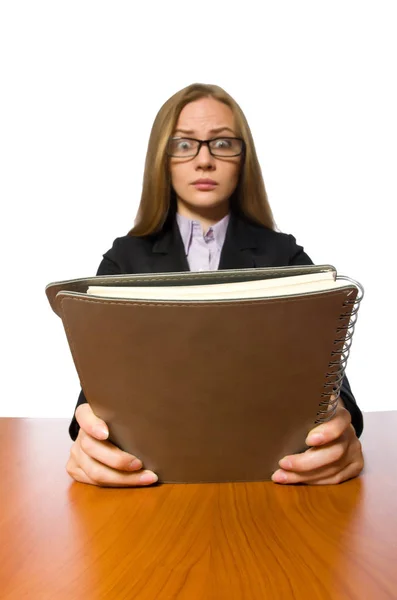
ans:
(90, 423)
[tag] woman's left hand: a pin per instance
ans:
(335, 454)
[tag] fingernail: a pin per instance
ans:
(285, 463)
(148, 477)
(135, 464)
(279, 477)
(101, 432)
(316, 438)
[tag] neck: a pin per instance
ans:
(205, 216)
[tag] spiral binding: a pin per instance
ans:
(335, 377)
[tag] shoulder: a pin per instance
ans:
(265, 235)
(128, 254)
(278, 247)
(278, 239)
(127, 242)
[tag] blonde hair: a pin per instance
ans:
(158, 200)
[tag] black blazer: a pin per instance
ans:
(246, 245)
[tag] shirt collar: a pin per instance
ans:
(186, 229)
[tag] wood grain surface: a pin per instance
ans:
(64, 540)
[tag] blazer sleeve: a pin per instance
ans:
(299, 257)
(108, 266)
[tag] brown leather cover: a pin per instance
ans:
(206, 391)
(80, 286)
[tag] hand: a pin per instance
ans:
(335, 455)
(98, 462)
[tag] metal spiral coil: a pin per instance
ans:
(334, 377)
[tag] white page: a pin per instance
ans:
(248, 289)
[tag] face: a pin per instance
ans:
(205, 119)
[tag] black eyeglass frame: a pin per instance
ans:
(207, 142)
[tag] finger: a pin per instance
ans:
(73, 468)
(331, 476)
(331, 430)
(347, 473)
(283, 476)
(90, 423)
(100, 474)
(78, 475)
(316, 458)
(108, 454)
(353, 455)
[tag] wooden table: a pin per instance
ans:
(60, 539)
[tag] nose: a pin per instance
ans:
(204, 158)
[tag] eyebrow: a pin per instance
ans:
(217, 130)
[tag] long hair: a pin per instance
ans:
(158, 200)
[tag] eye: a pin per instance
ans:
(184, 145)
(181, 144)
(221, 143)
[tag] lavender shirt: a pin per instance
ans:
(203, 250)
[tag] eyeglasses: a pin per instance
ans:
(190, 147)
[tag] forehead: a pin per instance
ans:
(205, 114)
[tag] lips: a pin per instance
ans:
(205, 182)
(205, 185)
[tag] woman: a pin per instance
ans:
(204, 207)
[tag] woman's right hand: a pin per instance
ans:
(96, 461)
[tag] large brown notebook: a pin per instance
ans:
(214, 376)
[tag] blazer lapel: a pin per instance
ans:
(238, 252)
(240, 242)
(168, 252)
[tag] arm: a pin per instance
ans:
(107, 267)
(297, 256)
(93, 459)
(335, 452)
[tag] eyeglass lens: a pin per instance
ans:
(219, 147)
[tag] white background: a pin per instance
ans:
(81, 83)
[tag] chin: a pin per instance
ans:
(206, 206)
(205, 199)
